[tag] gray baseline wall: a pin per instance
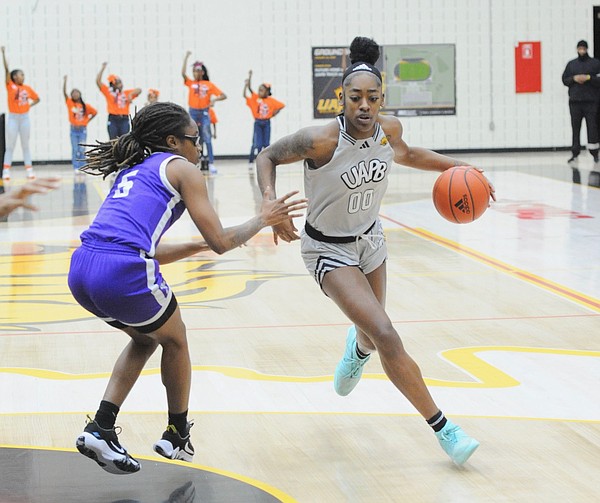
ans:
(144, 42)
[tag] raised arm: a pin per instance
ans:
(184, 67)
(99, 76)
(247, 85)
(6, 70)
(65, 88)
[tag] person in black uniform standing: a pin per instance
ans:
(582, 77)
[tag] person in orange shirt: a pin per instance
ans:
(20, 99)
(117, 101)
(80, 113)
(202, 95)
(263, 107)
(152, 96)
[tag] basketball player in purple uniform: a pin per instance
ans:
(115, 274)
(346, 163)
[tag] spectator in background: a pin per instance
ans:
(581, 77)
(263, 107)
(80, 114)
(152, 96)
(20, 99)
(202, 95)
(117, 102)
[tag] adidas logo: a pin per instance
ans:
(364, 145)
(463, 205)
(362, 67)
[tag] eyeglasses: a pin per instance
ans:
(195, 139)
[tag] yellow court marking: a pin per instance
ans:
(573, 295)
(273, 491)
(483, 374)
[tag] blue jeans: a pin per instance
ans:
(200, 116)
(78, 136)
(261, 137)
(118, 125)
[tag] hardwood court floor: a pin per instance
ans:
(502, 315)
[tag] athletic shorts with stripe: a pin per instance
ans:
(368, 252)
(121, 286)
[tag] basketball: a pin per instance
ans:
(461, 194)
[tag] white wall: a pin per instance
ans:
(144, 42)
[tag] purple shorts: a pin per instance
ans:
(121, 286)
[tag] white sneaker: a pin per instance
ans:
(211, 169)
(6, 174)
(30, 174)
(250, 166)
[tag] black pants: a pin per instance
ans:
(588, 110)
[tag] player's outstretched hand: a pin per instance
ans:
(281, 211)
(17, 198)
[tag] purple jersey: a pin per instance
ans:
(139, 208)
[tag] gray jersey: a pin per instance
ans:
(345, 194)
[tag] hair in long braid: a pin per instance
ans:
(149, 130)
(83, 106)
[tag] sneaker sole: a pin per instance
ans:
(165, 449)
(117, 466)
(467, 453)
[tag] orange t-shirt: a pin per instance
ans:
(263, 108)
(212, 115)
(200, 92)
(117, 102)
(76, 115)
(18, 97)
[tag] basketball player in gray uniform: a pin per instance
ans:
(346, 164)
(115, 273)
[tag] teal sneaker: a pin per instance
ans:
(457, 444)
(350, 368)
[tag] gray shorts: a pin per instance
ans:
(367, 252)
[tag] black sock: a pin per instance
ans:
(360, 354)
(180, 423)
(438, 421)
(106, 415)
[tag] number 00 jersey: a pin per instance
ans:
(139, 208)
(345, 194)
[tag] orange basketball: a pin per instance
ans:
(461, 194)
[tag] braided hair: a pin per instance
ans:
(149, 130)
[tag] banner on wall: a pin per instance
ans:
(528, 67)
(328, 67)
(417, 79)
